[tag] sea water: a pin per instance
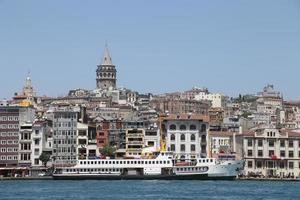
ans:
(144, 190)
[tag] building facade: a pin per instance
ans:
(64, 137)
(186, 135)
(270, 152)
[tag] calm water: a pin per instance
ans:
(144, 190)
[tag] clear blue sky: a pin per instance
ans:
(157, 46)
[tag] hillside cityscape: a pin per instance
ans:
(38, 133)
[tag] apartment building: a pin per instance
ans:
(270, 152)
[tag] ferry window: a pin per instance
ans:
(153, 162)
(81, 170)
(207, 160)
(164, 162)
(160, 162)
(168, 162)
(102, 162)
(113, 162)
(156, 162)
(106, 170)
(81, 162)
(139, 162)
(211, 160)
(131, 162)
(106, 162)
(102, 170)
(142, 162)
(127, 162)
(113, 170)
(98, 162)
(134, 162)
(199, 161)
(88, 162)
(67, 170)
(109, 169)
(146, 162)
(84, 162)
(84, 170)
(117, 162)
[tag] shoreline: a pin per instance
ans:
(238, 179)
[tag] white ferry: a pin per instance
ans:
(163, 166)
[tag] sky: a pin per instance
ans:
(157, 46)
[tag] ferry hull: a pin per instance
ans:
(147, 177)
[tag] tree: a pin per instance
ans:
(45, 158)
(108, 151)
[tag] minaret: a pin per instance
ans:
(106, 72)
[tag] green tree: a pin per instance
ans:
(45, 158)
(108, 151)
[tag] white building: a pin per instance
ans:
(270, 152)
(217, 100)
(186, 135)
(41, 142)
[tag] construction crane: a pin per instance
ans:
(161, 118)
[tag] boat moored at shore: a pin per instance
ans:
(162, 166)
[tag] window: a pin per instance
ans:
(203, 138)
(249, 153)
(282, 143)
(271, 143)
(182, 127)
(203, 128)
(182, 147)
(291, 165)
(291, 154)
(249, 142)
(281, 164)
(260, 153)
(172, 137)
(193, 147)
(282, 153)
(271, 153)
(291, 143)
(173, 127)
(259, 164)
(260, 143)
(250, 164)
(172, 147)
(182, 137)
(193, 138)
(192, 127)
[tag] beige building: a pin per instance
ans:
(270, 152)
(134, 142)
